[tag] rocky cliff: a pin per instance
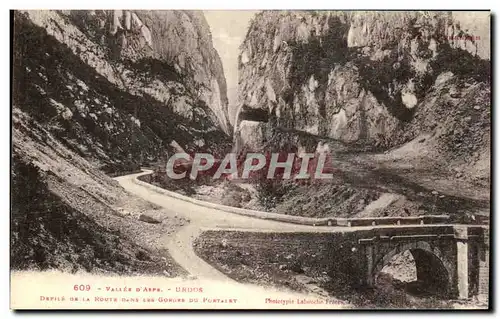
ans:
(108, 91)
(358, 76)
(181, 39)
(413, 84)
(120, 85)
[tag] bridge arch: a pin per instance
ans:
(433, 267)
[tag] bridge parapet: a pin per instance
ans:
(377, 221)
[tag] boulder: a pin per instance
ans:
(149, 218)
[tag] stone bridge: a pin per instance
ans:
(450, 260)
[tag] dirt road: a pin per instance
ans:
(180, 245)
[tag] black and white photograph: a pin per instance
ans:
(250, 159)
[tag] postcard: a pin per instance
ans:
(168, 159)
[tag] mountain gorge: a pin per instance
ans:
(99, 92)
(125, 86)
(413, 87)
(401, 99)
(353, 76)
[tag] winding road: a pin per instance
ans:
(202, 215)
(180, 245)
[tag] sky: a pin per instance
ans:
(228, 32)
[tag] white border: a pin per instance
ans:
(192, 4)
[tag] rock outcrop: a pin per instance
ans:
(120, 86)
(411, 87)
(108, 91)
(361, 77)
(180, 39)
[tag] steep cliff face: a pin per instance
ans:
(415, 85)
(361, 77)
(181, 39)
(98, 91)
(120, 86)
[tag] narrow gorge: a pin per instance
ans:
(97, 92)
(401, 98)
(138, 138)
